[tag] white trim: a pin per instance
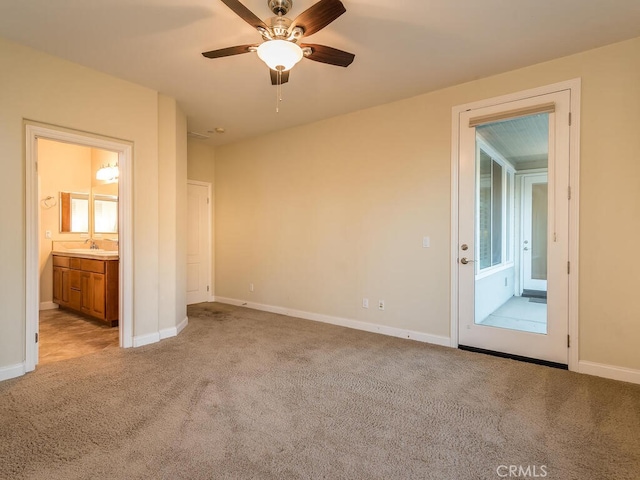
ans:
(12, 371)
(167, 333)
(48, 306)
(34, 131)
(574, 86)
(574, 223)
(609, 371)
(174, 331)
(455, 239)
(182, 325)
(342, 322)
(142, 340)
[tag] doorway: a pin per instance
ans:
(34, 203)
(78, 231)
(513, 236)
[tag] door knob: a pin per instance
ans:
(465, 260)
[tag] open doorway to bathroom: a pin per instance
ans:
(78, 257)
(85, 275)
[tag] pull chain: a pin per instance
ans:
(278, 91)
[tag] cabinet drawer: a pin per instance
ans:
(87, 265)
(60, 261)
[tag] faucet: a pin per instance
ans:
(93, 245)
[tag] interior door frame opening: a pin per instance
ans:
(573, 87)
(124, 149)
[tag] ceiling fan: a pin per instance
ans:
(281, 49)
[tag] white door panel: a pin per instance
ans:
(198, 243)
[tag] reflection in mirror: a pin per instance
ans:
(105, 214)
(74, 212)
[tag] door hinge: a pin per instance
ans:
(569, 189)
(207, 200)
(568, 341)
(568, 268)
(207, 288)
(36, 166)
(36, 337)
(569, 118)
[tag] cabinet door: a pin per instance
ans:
(64, 290)
(57, 285)
(98, 295)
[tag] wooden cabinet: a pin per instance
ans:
(88, 286)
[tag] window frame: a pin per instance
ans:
(508, 217)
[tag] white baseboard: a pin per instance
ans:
(343, 322)
(142, 340)
(182, 325)
(173, 331)
(609, 371)
(48, 306)
(168, 333)
(12, 371)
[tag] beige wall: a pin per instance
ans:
(320, 216)
(172, 259)
(201, 167)
(42, 88)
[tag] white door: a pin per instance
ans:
(198, 242)
(535, 195)
(492, 316)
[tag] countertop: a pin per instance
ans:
(88, 253)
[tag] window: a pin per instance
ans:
(495, 199)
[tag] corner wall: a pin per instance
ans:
(42, 88)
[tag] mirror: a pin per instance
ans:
(74, 212)
(105, 214)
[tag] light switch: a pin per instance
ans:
(426, 242)
(47, 234)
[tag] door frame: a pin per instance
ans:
(574, 87)
(210, 273)
(33, 132)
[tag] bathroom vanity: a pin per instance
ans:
(87, 281)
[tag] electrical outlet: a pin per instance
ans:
(47, 234)
(365, 303)
(380, 304)
(251, 287)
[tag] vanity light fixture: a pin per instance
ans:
(108, 173)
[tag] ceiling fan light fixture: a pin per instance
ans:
(280, 55)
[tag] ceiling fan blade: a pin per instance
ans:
(227, 52)
(318, 16)
(330, 55)
(246, 14)
(284, 77)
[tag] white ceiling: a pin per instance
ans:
(403, 48)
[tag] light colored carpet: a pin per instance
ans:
(246, 394)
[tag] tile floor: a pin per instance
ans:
(65, 334)
(518, 313)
